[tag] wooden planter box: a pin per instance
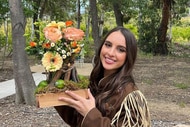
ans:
(51, 99)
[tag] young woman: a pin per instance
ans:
(114, 99)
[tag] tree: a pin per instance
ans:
(155, 17)
(24, 81)
(78, 14)
(94, 21)
(117, 12)
(124, 10)
(162, 47)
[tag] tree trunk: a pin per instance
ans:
(24, 81)
(94, 20)
(78, 14)
(162, 47)
(43, 6)
(118, 15)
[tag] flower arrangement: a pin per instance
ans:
(58, 47)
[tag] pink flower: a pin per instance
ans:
(73, 34)
(52, 33)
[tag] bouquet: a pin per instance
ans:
(59, 45)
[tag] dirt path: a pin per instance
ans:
(160, 79)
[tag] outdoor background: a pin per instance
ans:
(162, 70)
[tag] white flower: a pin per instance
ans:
(64, 56)
(68, 54)
(52, 44)
(63, 51)
(58, 49)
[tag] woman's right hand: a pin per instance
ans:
(82, 105)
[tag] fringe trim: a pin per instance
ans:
(135, 103)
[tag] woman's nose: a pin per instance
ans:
(111, 52)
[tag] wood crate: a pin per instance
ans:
(51, 99)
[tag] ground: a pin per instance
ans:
(165, 82)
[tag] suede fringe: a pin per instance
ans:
(136, 111)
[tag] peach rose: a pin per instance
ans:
(52, 33)
(73, 34)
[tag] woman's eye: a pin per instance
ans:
(122, 50)
(107, 44)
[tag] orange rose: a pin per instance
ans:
(73, 34)
(52, 33)
(33, 44)
(69, 23)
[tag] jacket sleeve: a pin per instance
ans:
(133, 112)
(68, 114)
(94, 118)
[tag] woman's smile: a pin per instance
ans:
(109, 60)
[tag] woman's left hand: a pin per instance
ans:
(82, 105)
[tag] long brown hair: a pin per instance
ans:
(104, 87)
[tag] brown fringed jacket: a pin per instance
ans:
(123, 110)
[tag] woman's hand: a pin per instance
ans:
(82, 105)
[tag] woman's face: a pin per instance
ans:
(113, 52)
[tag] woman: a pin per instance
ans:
(114, 99)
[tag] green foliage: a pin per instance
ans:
(180, 45)
(149, 20)
(180, 32)
(6, 38)
(83, 81)
(59, 10)
(147, 25)
(30, 37)
(180, 9)
(127, 7)
(4, 9)
(133, 29)
(28, 8)
(88, 47)
(144, 14)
